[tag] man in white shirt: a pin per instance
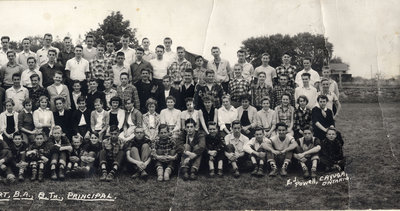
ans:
(307, 90)
(148, 54)
(25, 53)
(42, 53)
(26, 74)
(129, 52)
(270, 72)
(5, 40)
(78, 67)
(160, 65)
(17, 92)
(221, 68)
(119, 68)
(248, 69)
(314, 76)
(89, 52)
(169, 55)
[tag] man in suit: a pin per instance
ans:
(169, 91)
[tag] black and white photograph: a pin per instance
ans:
(200, 105)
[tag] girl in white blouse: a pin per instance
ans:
(43, 118)
(196, 115)
(226, 115)
(171, 116)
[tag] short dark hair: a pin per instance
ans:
(198, 57)
(81, 99)
(17, 134)
(306, 75)
(170, 98)
(120, 53)
(190, 121)
(281, 124)
(160, 46)
(140, 49)
(245, 97)
(113, 128)
(322, 97)
(209, 72)
(5, 37)
(258, 128)
(302, 97)
(34, 75)
(79, 46)
(16, 75)
(116, 99)
(236, 122)
(52, 50)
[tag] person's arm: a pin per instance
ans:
(269, 147)
(36, 120)
(66, 148)
(130, 159)
(215, 115)
(93, 120)
(135, 97)
(247, 147)
(203, 122)
(291, 118)
(313, 150)
(291, 147)
(221, 123)
(105, 123)
(338, 106)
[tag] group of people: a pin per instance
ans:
(83, 110)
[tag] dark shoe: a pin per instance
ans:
(254, 172)
(40, 176)
(220, 173)
(61, 175)
(143, 175)
(21, 177)
(34, 172)
(110, 177)
(306, 173)
(260, 172)
(68, 172)
(212, 173)
(313, 174)
(283, 172)
(273, 172)
(135, 175)
(103, 176)
(193, 175)
(53, 175)
(185, 174)
(236, 174)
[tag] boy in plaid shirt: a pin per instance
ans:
(302, 117)
(164, 153)
(38, 155)
(215, 149)
(111, 156)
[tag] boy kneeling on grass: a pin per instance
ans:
(215, 149)
(280, 150)
(164, 153)
(111, 156)
(17, 160)
(331, 154)
(307, 150)
(192, 145)
(257, 150)
(38, 155)
(234, 147)
(59, 151)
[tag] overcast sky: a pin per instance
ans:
(363, 32)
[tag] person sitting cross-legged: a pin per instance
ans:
(138, 153)
(280, 150)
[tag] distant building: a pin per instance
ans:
(339, 72)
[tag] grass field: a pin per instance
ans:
(371, 145)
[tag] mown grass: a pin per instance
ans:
(373, 172)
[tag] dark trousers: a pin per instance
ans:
(59, 158)
(194, 163)
(279, 159)
(109, 160)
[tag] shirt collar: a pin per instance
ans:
(28, 112)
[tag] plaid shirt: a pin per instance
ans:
(258, 92)
(284, 115)
(215, 143)
(202, 90)
(130, 92)
(176, 69)
(100, 67)
(165, 146)
(302, 118)
(111, 57)
(290, 71)
(277, 93)
(112, 148)
(238, 87)
(34, 95)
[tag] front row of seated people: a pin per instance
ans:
(59, 156)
